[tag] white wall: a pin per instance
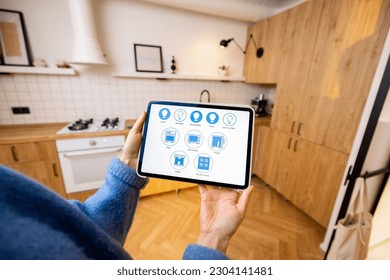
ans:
(193, 39)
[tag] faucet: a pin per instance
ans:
(208, 95)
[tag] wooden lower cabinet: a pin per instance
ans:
(38, 160)
(45, 172)
(307, 174)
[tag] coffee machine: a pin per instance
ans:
(258, 105)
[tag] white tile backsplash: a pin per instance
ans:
(54, 98)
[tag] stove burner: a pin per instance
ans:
(80, 124)
(110, 123)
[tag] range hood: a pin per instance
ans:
(86, 48)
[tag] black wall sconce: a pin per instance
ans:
(259, 51)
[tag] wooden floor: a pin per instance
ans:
(273, 229)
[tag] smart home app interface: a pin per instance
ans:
(197, 143)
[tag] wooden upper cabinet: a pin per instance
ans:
(269, 35)
(297, 55)
(348, 46)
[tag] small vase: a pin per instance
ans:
(222, 72)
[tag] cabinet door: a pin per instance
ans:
(45, 172)
(269, 35)
(349, 42)
(273, 155)
(297, 53)
(28, 152)
(314, 176)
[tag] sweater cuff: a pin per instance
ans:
(198, 252)
(126, 174)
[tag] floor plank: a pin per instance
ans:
(273, 229)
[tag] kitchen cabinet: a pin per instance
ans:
(330, 53)
(259, 122)
(297, 56)
(350, 39)
(37, 160)
(327, 79)
(301, 172)
(269, 35)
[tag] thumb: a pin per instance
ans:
(244, 199)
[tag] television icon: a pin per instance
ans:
(193, 139)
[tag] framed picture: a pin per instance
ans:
(13, 40)
(148, 58)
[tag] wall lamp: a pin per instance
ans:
(259, 51)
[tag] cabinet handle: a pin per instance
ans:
(292, 126)
(289, 143)
(14, 154)
(55, 170)
(295, 145)
(299, 128)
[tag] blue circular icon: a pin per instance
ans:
(196, 116)
(212, 118)
(164, 113)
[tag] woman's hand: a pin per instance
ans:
(133, 143)
(221, 213)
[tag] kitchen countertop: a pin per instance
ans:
(22, 133)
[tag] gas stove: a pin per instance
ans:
(91, 125)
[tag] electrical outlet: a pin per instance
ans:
(20, 110)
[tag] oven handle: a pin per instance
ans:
(96, 151)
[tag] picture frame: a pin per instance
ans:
(148, 58)
(13, 39)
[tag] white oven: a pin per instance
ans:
(84, 160)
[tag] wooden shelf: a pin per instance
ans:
(164, 76)
(37, 70)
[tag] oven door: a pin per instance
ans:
(85, 170)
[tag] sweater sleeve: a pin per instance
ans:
(197, 252)
(113, 206)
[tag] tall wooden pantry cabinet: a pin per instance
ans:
(321, 56)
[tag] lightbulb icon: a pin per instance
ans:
(212, 118)
(196, 116)
(164, 113)
(229, 119)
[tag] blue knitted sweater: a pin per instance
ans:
(36, 223)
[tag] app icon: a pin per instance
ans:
(180, 115)
(229, 119)
(170, 136)
(179, 160)
(217, 141)
(194, 139)
(203, 163)
(164, 113)
(212, 118)
(196, 116)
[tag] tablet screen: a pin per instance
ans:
(201, 143)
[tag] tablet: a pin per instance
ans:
(202, 143)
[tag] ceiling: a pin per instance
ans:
(243, 10)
